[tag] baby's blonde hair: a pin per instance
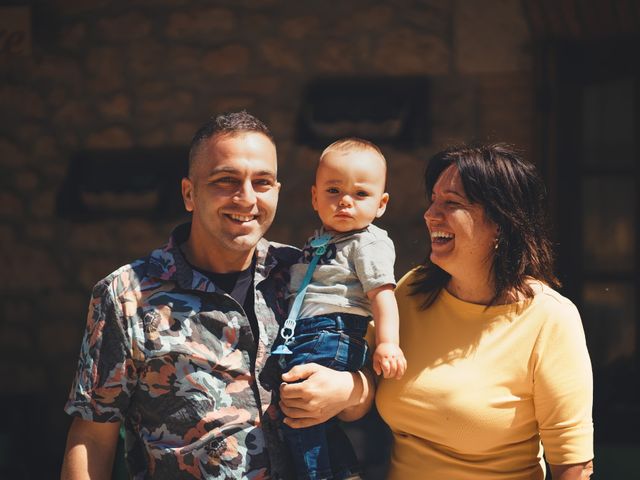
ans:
(353, 143)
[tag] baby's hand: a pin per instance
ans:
(389, 360)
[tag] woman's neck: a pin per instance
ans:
(479, 292)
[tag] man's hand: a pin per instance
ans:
(389, 361)
(322, 393)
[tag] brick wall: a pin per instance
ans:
(144, 73)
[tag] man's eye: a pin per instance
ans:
(225, 180)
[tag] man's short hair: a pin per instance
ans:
(230, 123)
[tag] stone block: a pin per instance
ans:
(169, 106)
(15, 337)
(7, 239)
(491, 36)
(57, 335)
(72, 113)
(21, 102)
(115, 106)
(434, 18)
(72, 37)
(43, 204)
(300, 27)
(506, 108)
(28, 269)
(281, 54)
(255, 84)
(10, 154)
(80, 6)
(25, 180)
(106, 68)
(153, 138)
(335, 56)
(232, 103)
(227, 60)
(60, 70)
(182, 58)
(40, 231)
(92, 270)
(182, 133)
(124, 28)
(138, 237)
(57, 97)
(112, 137)
(11, 206)
(408, 52)
(200, 23)
(95, 237)
(44, 146)
(453, 110)
(146, 59)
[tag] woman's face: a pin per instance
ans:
(462, 237)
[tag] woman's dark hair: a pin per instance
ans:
(514, 197)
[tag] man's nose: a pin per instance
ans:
(245, 194)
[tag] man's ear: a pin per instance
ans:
(187, 194)
(314, 197)
(384, 199)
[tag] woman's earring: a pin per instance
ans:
(495, 246)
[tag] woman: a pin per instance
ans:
(497, 361)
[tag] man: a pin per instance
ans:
(177, 343)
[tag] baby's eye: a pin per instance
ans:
(332, 190)
(362, 193)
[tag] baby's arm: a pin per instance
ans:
(388, 359)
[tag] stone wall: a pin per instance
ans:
(142, 73)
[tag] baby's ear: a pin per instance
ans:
(314, 199)
(384, 199)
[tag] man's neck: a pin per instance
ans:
(216, 262)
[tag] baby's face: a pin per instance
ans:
(349, 191)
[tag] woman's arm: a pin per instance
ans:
(322, 393)
(579, 471)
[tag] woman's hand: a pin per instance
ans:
(579, 471)
(320, 393)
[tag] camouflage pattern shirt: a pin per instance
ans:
(173, 357)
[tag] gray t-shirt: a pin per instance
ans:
(354, 263)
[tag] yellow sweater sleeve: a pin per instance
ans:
(563, 388)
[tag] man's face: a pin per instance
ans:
(232, 193)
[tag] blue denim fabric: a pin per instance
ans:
(335, 341)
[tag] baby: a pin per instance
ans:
(352, 282)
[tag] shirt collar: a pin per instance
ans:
(168, 263)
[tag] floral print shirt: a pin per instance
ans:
(174, 358)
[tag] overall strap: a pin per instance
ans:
(319, 245)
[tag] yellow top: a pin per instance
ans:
(484, 386)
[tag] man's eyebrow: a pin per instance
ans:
(235, 171)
